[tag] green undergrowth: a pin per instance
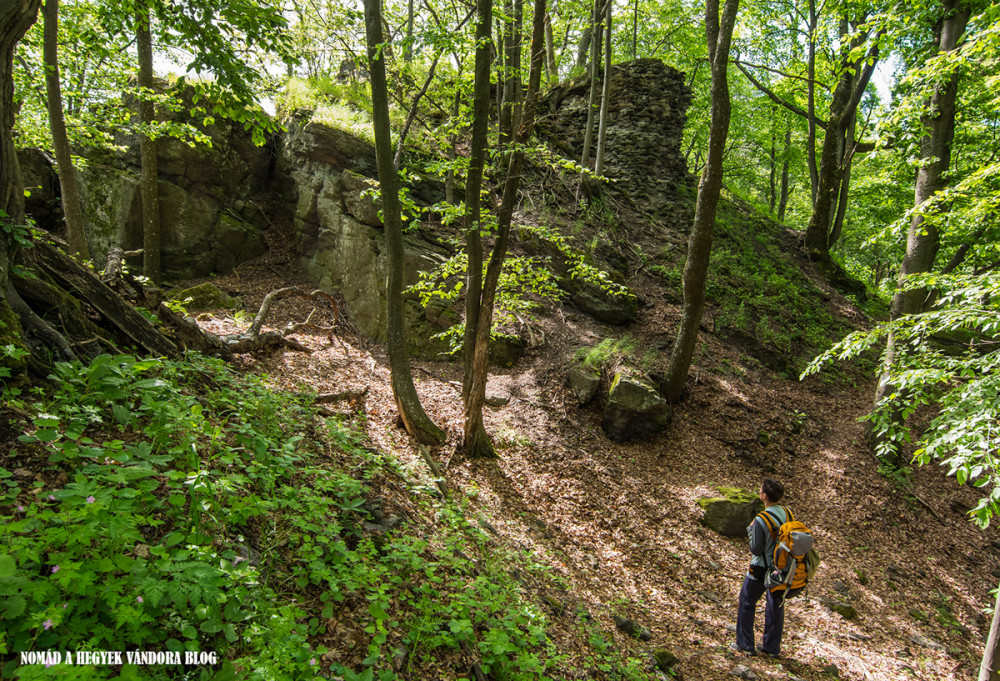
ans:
(762, 296)
(166, 506)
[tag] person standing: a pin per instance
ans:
(763, 533)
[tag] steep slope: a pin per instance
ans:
(619, 524)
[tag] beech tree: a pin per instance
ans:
(923, 237)
(416, 420)
(68, 183)
(476, 442)
(719, 33)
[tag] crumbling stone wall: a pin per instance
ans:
(646, 116)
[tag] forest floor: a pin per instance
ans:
(620, 523)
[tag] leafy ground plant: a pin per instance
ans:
(178, 507)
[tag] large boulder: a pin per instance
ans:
(210, 195)
(41, 188)
(584, 380)
(731, 513)
(634, 410)
(340, 239)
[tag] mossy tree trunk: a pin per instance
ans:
(16, 16)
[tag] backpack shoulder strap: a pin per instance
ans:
(788, 514)
(771, 521)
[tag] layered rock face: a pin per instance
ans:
(338, 232)
(210, 209)
(647, 111)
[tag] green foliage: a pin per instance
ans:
(944, 357)
(197, 514)
(761, 291)
(608, 352)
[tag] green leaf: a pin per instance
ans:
(14, 607)
(8, 566)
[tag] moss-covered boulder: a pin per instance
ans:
(731, 513)
(634, 410)
(205, 296)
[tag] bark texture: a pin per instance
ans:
(476, 442)
(149, 178)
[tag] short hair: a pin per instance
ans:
(772, 489)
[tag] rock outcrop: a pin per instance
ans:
(646, 113)
(731, 513)
(634, 410)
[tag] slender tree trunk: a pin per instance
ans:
(772, 184)
(149, 177)
(69, 187)
(408, 43)
(843, 108)
(923, 237)
(416, 420)
(845, 185)
(473, 187)
(602, 131)
(783, 201)
(595, 60)
(989, 670)
(719, 31)
(811, 104)
(476, 442)
(635, 27)
(551, 68)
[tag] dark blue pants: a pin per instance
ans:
(774, 616)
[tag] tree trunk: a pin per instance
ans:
(719, 32)
(990, 668)
(69, 187)
(783, 201)
(635, 27)
(602, 131)
(15, 18)
(843, 107)
(416, 420)
(772, 182)
(923, 237)
(845, 186)
(551, 68)
(811, 95)
(595, 58)
(476, 442)
(473, 187)
(149, 178)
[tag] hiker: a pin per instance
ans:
(762, 542)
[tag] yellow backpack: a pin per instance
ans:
(794, 561)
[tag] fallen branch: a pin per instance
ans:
(439, 478)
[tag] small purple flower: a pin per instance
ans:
(20, 508)
(313, 662)
(91, 499)
(52, 497)
(64, 605)
(55, 569)
(47, 624)
(139, 599)
(238, 559)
